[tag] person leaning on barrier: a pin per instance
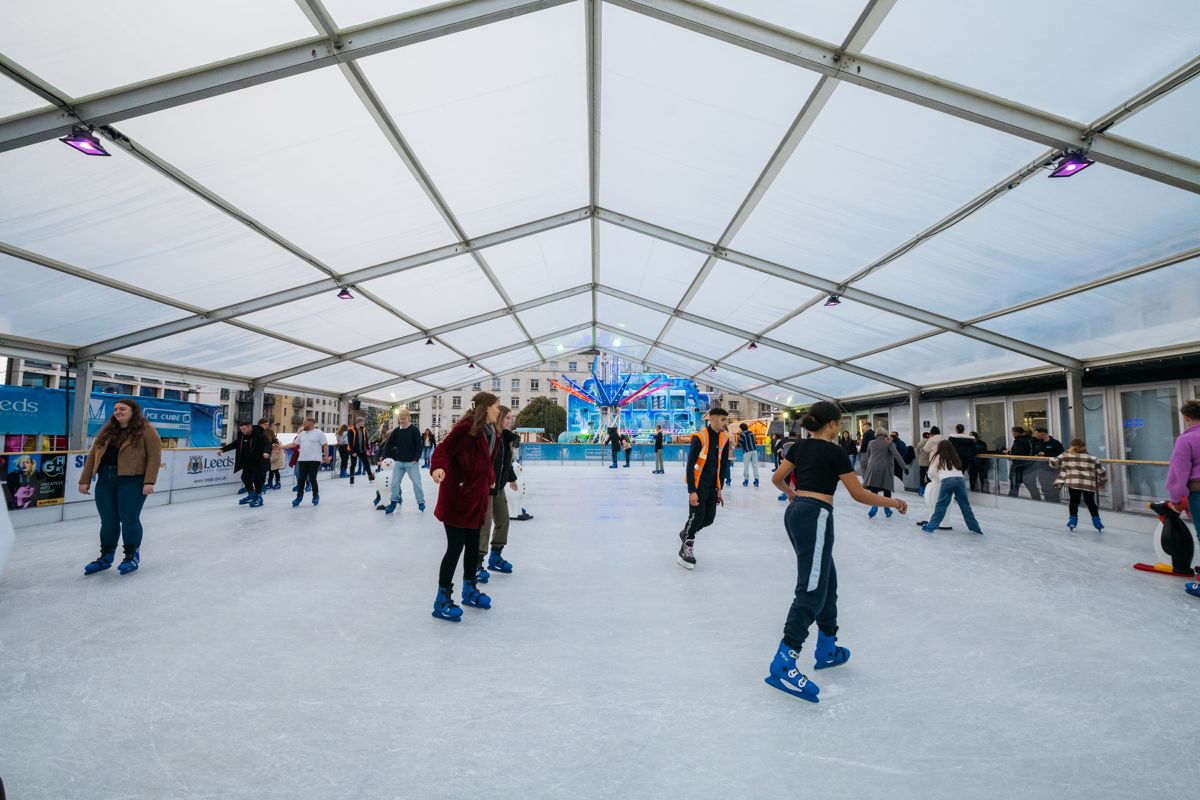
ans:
(1019, 472)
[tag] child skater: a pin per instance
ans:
(1084, 476)
(818, 465)
(945, 470)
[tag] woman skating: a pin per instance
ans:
(1084, 476)
(126, 456)
(817, 465)
(945, 473)
(462, 466)
(879, 463)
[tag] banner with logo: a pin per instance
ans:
(192, 468)
(33, 480)
(171, 418)
(74, 472)
(29, 410)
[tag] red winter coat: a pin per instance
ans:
(463, 495)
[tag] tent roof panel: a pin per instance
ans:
(682, 365)
(16, 99)
(558, 315)
(568, 344)
(337, 377)
(621, 346)
(347, 13)
(829, 20)
(782, 396)
(635, 319)
(698, 339)
(544, 263)
(745, 298)
(334, 324)
(647, 267)
(515, 359)
(413, 357)
(438, 293)
(399, 392)
(485, 336)
(846, 330)
(1170, 123)
(766, 360)
(943, 358)
(455, 377)
(224, 348)
(840, 383)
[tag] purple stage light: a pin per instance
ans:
(833, 300)
(85, 142)
(344, 294)
(1071, 164)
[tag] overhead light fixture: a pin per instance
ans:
(429, 341)
(1072, 163)
(616, 341)
(834, 300)
(83, 140)
(713, 368)
(753, 346)
(471, 365)
(344, 294)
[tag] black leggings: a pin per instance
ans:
(273, 476)
(1088, 497)
(627, 454)
(464, 542)
(344, 453)
(884, 492)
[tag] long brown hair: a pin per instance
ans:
(1078, 446)
(343, 429)
(480, 403)
(113, 433)
(947, 456)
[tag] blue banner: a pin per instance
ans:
(26, 410)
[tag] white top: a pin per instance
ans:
(939, 473)
(312, 445)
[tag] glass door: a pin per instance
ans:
(1149, 424)
(1094, 424)
(990, 424)
(1031, 413)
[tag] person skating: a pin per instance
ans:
(658, 450)
(275, 449)
(709, 447)
(404, 447)
(126, 456)
(1022, 472)
(627, 446)
(311, 454)
(614, 440)
(785, 444)
(964, 445)
(251, 459)
(1084, 476)
(463, 467)
(1046, 446)
(879, 463)
(356, 439)
(428, 440)
(815, 465)
(494, 531)
(1183, 473)
(749, 454)
(945, 471)
(343, 449)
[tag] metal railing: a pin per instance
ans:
(1131, 483)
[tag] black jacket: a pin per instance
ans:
(867, 438)
(403, 444)
(658, 441)
(1021, 446)
(1051, 448)
(250, 449)
(614, 438)
(503, 463)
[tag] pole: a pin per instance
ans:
(1075, 405)
(77, 433)
(914, 407)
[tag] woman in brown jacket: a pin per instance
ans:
(125, 455)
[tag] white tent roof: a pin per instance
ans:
(663, 179)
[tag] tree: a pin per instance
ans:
(542, 412)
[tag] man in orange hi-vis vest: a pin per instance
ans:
(710, 446)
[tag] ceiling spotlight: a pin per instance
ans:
(83, 140)
(753, 346)
(344, 294)
(834, 300)
(1071, 163)
(713, 368)
(429, 341)
(471, 365)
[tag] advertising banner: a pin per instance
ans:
(192, 468)
(33, 480)
(171, 418)
(28, 410)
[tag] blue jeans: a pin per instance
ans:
(119, 501)
(956, 489)
(413, 470)
(425, 453)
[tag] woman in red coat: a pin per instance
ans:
(462, 467)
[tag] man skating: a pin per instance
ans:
(703, 476)
(251, 459)
(404, 447)
(749, 454)
(310, 441)
(658, 450)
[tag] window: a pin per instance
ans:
(106, 387)
(733, 404)
(147, 391)
(516, 384)
(224, 394)
(454, 419)
(535, 385)
(477, 386)
(709, 389)
(435, 420)
(554, 399)
(172, 394)
(456, 401)
(572, 366)
(495, 384)
(552, 365)
(29, 362)
(66, 383)
(553, 388)
(515, 402)
(32, 379)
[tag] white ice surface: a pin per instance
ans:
(290, 654)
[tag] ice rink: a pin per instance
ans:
(287, 654)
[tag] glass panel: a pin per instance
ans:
(745, 298)
(1149, 424)
(769, 361)
(16, 99)
(343, 378)
(1062, 63)
(502, 132)
(846, 330)
(644, 322)
(703, 341)
(1044, 236)
(944, 358)
(623, 347)
(224, 348)
(562, 345)
(414, 357)
(398, 392)
(517, 359)
(485, 336)
(455, 377)
(558, 315)
(1170, 123)
(1031, 413)
(39, 303)
(1157, 309)
(140, 39)
(680, 366)
(355, 12)
(844, 199)
(822, 19)
(326, 321)
(422, 293)
(361, 205)
(1094, 423)
(645, 266)
(548, 262)
(733, 381)
(991, 425)
(688, 122)
(782, 396)
(840, 383)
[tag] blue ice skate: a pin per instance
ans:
(756, 482)
(316, 500)
(1097, 524)
(482, 575)
(249, 498)
(299, 499)
(420, 506)
(130, 564)
(1072, 521)
(242, 490)
(444, 606)
(782, 497)
(496, 563)
(99, 565)
(256, 500)
(746, 482)
(473, 597)
(391, 508)
(1193, 589)
(828, 654)
(874, 510)
(787, 677)
(887, 512)
(377, 499)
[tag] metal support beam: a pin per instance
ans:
(256, 403)
(593, 23)
(914, 405)
(915, 87)
(828, 286)
(80, 395)
(1075, 404)
(258, 68)
(329, 285)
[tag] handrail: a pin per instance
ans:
(1102, 460)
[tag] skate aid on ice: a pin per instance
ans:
(1174, 546)
(384, 482)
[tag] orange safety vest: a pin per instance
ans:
(722, 440)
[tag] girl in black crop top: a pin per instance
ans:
(816, 466)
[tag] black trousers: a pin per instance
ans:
(273, 475)
(357, 459)
(459, 542)
(306, 472)
(614, 452)
(627, 454)
(1089, 498)
(809, 524)
(702, 515)
(253, 476)
(344, 454)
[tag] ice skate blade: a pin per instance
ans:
(684, 564)
(774, 682)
